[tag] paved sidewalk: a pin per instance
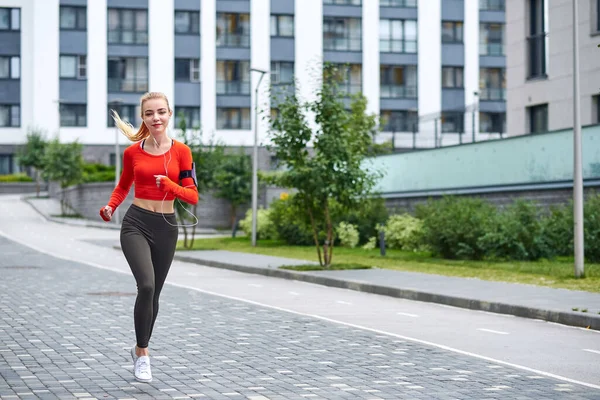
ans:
(528, 301)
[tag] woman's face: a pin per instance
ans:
(156, 115)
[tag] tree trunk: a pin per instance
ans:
(233, 219)
(330, 237)
(315, 236)
(37, 182)
(194, 227)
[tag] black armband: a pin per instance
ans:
(189, 173)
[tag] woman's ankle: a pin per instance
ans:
(141, 351)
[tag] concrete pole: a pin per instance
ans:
(577, 172)
(255, 159)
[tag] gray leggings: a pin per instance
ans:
(148, 243)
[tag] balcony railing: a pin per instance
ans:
(494, 94)
(233, 87)
(127, 37)
(491, 49)
(398, 92)
(128, 85)
(398, 3)
(348, 89)
(397, 46)
(342, 44)
(536, 50)
(491, 5)
(233, 40)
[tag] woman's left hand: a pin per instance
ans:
(158, 178)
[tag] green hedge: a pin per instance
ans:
(97, 173)
(15, 178)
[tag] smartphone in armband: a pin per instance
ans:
(189, 173)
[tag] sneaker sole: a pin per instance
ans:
(143, 380)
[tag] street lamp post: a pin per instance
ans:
(255, 158)
(577, 166)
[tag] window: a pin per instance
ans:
(233, 77)
(536, 41)
(453, 122)
(597, 15)
(398, 3)
(10, 67)
(127, 74)
(10, 115)
(399, 120)
(343, 2)
(348, 78)
(10, 19)
(491, 39)
(492, 84)
(596, 107)
(73, 115)
(187, 69)
(189, 115)
(74, 67)
(398, 81)
(282, 73)
(233, 30)
(128, 112)
(397, 36)
(490, 122)
(342, 34)
(8, 164)
(282, 25)
(187, 22)
(127, 26)
(491, 5)
(73, 18)
(452, 32)
(452, 77)
(233, 118)
(538, 118)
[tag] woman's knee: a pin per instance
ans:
(146, 289)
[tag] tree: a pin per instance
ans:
(31, 155)
(208, 158)
(63, 163)
(233, 183)
(342, 140)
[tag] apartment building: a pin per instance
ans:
(433, 70)
(540, 64)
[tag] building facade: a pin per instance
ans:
(433, 70)
(540, 64)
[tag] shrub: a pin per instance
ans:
(348, 234)
(452, 226)
(518, 234)
(92, 172)
(265, 229)
(371, 244)
(366, 217)
(15, 178)
(592, 228)
(291, 223)
(403, 231)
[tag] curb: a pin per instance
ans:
(589, 321)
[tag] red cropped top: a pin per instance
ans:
(139, 168)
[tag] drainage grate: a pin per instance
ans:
(20, 267)
(113, 294)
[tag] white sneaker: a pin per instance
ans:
(134, 356)
(142, 370)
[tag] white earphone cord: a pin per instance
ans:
(166, 164)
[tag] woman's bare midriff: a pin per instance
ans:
(159, 206)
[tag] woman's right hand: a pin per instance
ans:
(106, 213)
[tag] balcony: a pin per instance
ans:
(347, 89)
(491, 49)
(397, 46)
(233, 87)
(492, 94)
(398, 3)
(398, 92)
(136, 85)
(342, 44)
(233, 40)
(491, 5)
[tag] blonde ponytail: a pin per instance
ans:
(143, 131)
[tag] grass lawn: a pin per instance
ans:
(557, 273)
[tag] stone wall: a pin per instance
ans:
(20, 187)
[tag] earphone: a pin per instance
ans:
(166, 165)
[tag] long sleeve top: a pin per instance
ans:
(139, 168)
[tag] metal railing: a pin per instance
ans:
(397, 46)
(492, 5)
(121, 36)
(342, 44)
(491, 49)
(128, 85)
(233, 87)
(494, 94)
(398, 91)
(398, 3)
(233, 40)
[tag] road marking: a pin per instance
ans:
(254, 285)
(408, 315)
(343, 302)
(294, 293)
(592, 351)
(378, 331)
(493, 331)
